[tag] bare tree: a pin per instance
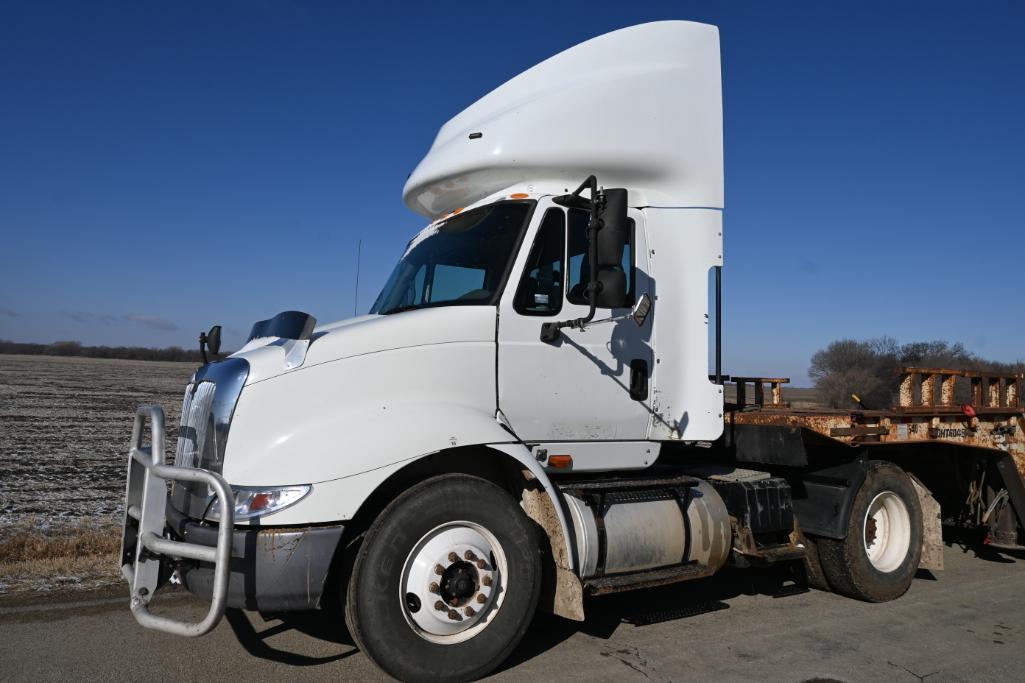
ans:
(869, 368)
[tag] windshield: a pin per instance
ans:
(461, 261)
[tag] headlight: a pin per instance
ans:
(257, 502)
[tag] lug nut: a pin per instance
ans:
(452, 557)
(486, 580)
(481, 564)
(439, 570)
(469, 556)
(433, 588)
(440, 606)
(481, 599)
(470, 611)
(454, 615)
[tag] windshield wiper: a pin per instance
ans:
(400, 309)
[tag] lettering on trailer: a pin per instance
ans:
(949, 433)
(905, 431)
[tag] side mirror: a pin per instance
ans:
(615, 230)
(641, 310)
(213, 339)
(613, 292)
(611, 240)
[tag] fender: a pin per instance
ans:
(346, 457)
(554, 519)
(823, 498)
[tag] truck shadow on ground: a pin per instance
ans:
(325, 625)
(654, 605)
(605, 615)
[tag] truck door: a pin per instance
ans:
(591, 385)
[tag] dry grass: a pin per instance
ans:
(36, 555)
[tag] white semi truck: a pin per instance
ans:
(526, 417)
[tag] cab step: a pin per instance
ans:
(766, 556)
(603, 484)
(649, 578)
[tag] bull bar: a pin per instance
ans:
(143, 544)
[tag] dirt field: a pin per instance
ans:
(64, 430)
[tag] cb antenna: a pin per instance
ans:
(355, 296)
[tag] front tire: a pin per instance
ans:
(878, 559)
(446, 581)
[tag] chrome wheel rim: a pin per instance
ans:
(453, 582)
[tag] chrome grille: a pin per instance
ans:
(195, 433)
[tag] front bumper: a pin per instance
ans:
(271, 570)
(266, 569)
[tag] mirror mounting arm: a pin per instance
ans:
(639, 314)
(550, 331)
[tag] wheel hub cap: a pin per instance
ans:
(452, 582)
(887, 531)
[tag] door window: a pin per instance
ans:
(540, 289)
(578, 263)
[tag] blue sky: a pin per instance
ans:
(165, 166)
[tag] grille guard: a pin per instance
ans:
(143, 545)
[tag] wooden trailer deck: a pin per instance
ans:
(935, 406)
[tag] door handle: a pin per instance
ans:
(639, 379)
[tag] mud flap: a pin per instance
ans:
(932, 528)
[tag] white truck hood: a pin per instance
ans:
(272, 356)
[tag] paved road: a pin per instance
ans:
(966, 623)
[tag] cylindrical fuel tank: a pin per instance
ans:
(650, 530)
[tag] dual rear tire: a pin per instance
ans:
(879, 557)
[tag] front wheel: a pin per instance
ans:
(879, 557)
(446, 581)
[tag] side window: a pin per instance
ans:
(579, 266)
(540, 288)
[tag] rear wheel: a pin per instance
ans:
(879, 557)
(446, 581)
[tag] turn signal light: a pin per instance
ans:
(518, 195)
(560, 462)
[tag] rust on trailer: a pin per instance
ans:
(981, 410)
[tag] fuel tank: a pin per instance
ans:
(620, 532)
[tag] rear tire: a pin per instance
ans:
(878, 559)
(446, 581)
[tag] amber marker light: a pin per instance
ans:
(560, 462)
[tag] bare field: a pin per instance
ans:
(65, 424)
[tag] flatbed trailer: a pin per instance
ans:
(960, 433)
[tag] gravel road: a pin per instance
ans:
(966, 623)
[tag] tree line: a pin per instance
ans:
(869, 369)
(74, 348)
